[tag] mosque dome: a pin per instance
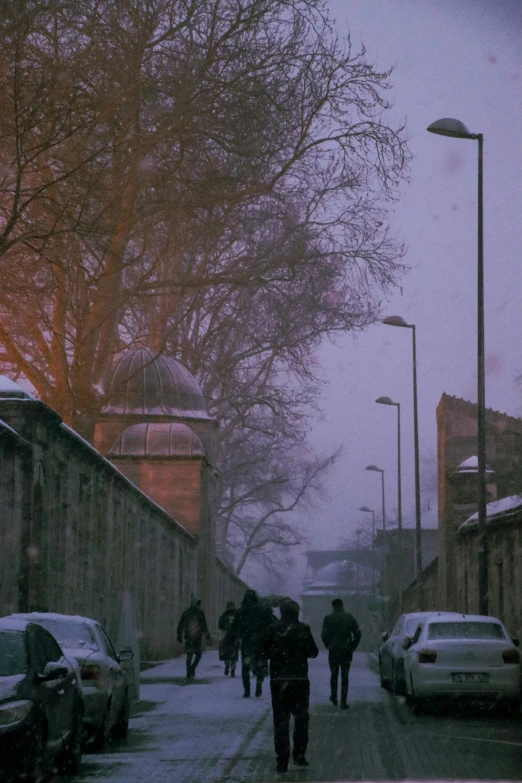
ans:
(161, 439)
(145, 384)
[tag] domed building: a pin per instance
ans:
(156, 429)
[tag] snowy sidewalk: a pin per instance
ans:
(185, 732)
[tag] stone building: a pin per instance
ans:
(156, 429)
(79, 531)
(451, 581)
(457, 477)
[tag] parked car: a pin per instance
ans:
(104, 682)
(41, 703)
(465, 656)
(392, 652)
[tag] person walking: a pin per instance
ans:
(192, 628)
(249, 627)
(228, 648)
(288, 644)
(341, 635)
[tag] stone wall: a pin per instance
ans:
(77, 534)
(423, 593)
(504, 548)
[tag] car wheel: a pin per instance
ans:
(70, 758)
(35, 767)
(102, 735)
(121, 727)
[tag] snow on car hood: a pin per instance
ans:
(9, 686)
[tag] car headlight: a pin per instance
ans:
(14, 712)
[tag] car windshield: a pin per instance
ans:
(466, 630)
(71, 634)
(13, 654)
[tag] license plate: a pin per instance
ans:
(470, 677)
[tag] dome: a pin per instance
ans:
(145, 384)
(172, 439)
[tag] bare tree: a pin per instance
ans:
(209, 177)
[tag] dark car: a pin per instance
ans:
(391, 654)
(41, 703)
(104, 682)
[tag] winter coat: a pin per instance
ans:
(193, 625)
(288, 646)
(228, 647)
(341, 632)
(250, 625)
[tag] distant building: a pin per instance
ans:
(341, 575)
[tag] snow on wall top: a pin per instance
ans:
(9, 388)
(497, 507)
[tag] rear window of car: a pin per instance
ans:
(465, 630)
(71, 634)
(13, 653)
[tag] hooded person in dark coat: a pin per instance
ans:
(249, 627)
(192, 627)
(228, 648)
(288, 644)
(341, 635)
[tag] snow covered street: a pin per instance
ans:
(206, 732)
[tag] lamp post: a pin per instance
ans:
(375, 469)
(457, 130)
(396, 320)
(388, 401)
(358, 534)
(372, 512)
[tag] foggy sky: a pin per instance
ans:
(452, 59)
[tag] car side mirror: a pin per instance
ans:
(407, 643)
(125, 655)
(53, 671)
(516, 642)
(385, 636)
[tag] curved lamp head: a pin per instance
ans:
(374, 468)
(365, 508)
(385, 401)
(396, 320)
(450, 127)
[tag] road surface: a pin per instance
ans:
(206, 732)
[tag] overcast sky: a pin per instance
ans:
(452, 58)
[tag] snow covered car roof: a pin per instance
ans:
(36, 616)
(13, 623)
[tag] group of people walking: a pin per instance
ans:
(287, 644)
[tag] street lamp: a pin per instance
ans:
(358, 534)
(396, 320)
(456, 129)
(388, 401)
(372, 512)
(375, 469)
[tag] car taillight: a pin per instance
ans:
(511, 656)
(91, 673)
(427, 656)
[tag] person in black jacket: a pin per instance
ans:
(192, 627)
(249, 626)
(228, 648)
(288, 644)
(341, 635)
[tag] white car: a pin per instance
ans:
(104, 683)
(470, 656)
